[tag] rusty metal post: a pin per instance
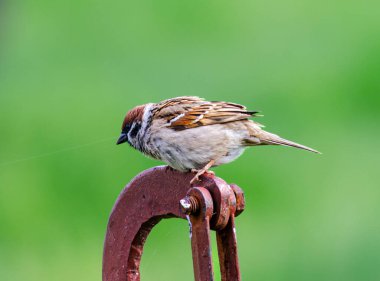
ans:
(228, 202)
(200, 232)
(155, 194)
(226, 239)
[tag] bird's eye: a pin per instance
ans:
(127, 128)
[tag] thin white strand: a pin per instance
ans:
(46, 154)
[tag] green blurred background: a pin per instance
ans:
(69, 71)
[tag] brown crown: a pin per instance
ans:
(134, 115)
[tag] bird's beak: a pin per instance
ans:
(123, 138)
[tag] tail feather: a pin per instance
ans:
(284, 142)
(261, 137)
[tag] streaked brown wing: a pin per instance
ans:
(191, 112)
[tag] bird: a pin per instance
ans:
(192, 134)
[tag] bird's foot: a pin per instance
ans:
(202, 171)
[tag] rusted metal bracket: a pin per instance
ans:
(162, 192)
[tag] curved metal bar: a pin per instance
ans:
(151, 196)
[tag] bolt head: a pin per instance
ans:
(185, 205)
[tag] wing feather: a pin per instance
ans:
(191, 112)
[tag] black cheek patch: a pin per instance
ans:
(133, 133)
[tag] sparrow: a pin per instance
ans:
(192, 134)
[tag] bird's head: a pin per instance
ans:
(132, 125)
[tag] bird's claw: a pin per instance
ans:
(203, 171)
(200, 173)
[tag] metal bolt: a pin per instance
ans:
(189, 205)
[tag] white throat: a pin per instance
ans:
(146, 116)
